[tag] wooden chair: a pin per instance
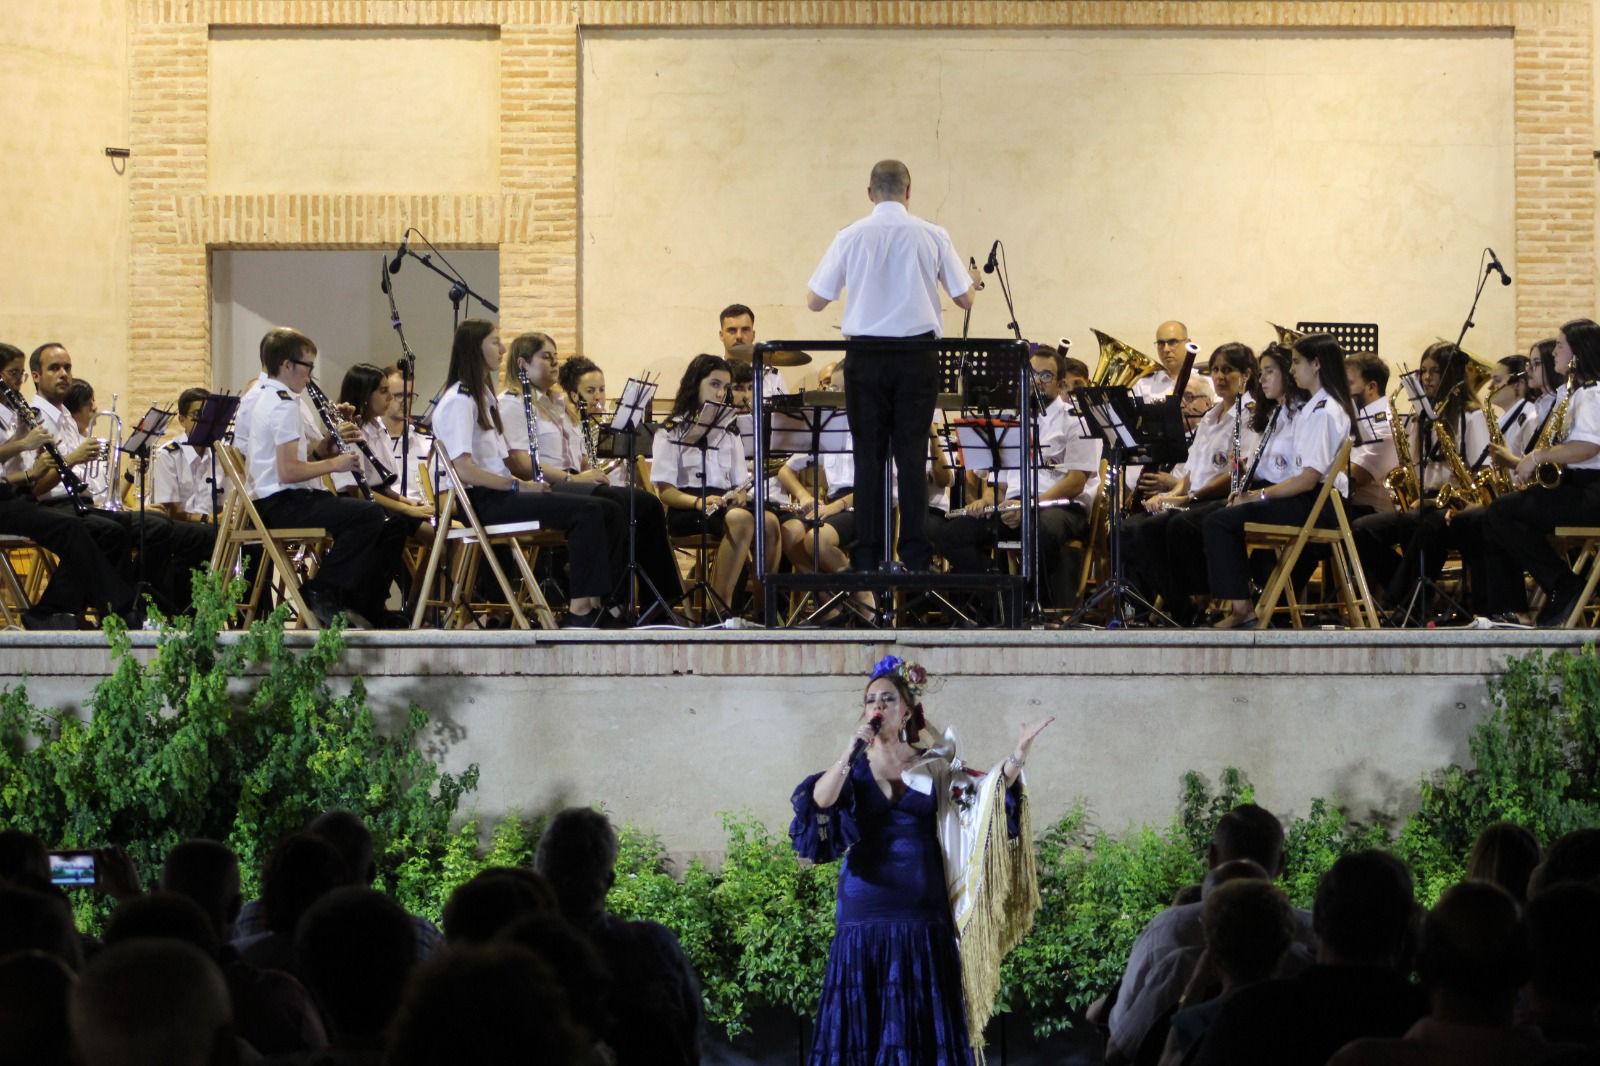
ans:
(1289, 542)
(466, 547)
(240, 525)
(14, 597)
(1586, 541)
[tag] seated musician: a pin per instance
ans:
(585, 386)
(564, 448)
(468, 427)
(1315, 436)
(183, 473)
(409, 448)
(826, 547)
(1421, 532)
(706, 489)
(286, 458)
(1519, 523)
(365, 394)
(1203, 481)
(1373, 456)
(85, 578)
(736, 328)
(1172, 347)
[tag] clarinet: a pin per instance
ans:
(1235, 463)
(330, 418)
(533, 422)
(77, 491)
(1261, 449)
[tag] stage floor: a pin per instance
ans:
(669, 728)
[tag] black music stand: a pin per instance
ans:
(1424, 586)
(620, 440)
(210, 428)
(795, 427)
(995, 445)
(149, 429)
(712, 422)
(1134, 434)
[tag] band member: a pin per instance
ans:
(468, 425)
(893, 264)
(97, 472)
(364, 393)
(1421, 532)
(1510, 394)
(1318, 432)
(737, 329)
(183, 474)
(809, 547)
(406, 443)
(1172, 343)
(1565, 491)
(567, 461)
(1374, 455)
(286, 459)
(83, 578)
(701, 486)
(1221, 444)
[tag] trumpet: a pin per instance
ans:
(109, 460)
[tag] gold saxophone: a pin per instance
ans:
(1493, 480)
(1547, 475)
(1404, 486)
(1465, 492)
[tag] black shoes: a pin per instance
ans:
(324, 606)
(34, 619)
(591, 620)
(1562, 603)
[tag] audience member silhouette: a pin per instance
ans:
(577, 965)
(1504, 854)
(34, 988)
(1574, 857)
(1562, 996)
(301, 870)
(39, 921)
(152, 1001)
(491, 901)
(659, 1017)
(1363, 915)
(356, 950)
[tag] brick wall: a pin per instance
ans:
(534, 218)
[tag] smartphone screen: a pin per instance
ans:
(72, 869)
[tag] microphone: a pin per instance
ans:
(992, 261)
(400, 256)
(876, 722)
(1495, 264)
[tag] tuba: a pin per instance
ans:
(1120, 364)
(1287, 336)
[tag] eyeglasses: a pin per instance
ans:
(1044, 376)
(1171, 343)
(302, 362)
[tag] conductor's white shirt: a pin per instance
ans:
(892, 262)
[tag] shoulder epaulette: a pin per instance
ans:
(284, 394)
(461, 387)
(1381, 416)
(172, 447)
(1320, 405)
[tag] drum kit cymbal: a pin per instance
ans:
(745, 353)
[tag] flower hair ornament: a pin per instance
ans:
(912, 674)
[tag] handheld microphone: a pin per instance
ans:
(993, 261)
(1495, 264)
(400, 256)
(876, 722)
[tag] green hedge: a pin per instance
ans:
(241, 739)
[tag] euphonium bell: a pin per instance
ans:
(1120, 364)
(1477, 372)
(1286, 336)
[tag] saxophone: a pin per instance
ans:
(1465, 492)
(1405, 488)
(1547, 475)
(1493, 480)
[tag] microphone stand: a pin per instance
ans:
(408, 370)
(1483, 279)
(459, 289)
(1001, 272)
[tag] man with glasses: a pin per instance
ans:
(1172, 340)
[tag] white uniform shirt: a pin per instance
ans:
(1375, 453)
(67, 435)
(893, 263)
(8, 427)
(1064, 449)
(677, 464)
(1518, 425)
(242, 413)
(560, 439)
(839, 468)
(455, 424)
(415, 453)
(1276, 445)
(1437, 473)
(1211, 450)
(1320, 430)
(1583, 423)
(1156, 386)
(183, 476)
(278, 418)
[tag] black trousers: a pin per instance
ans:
(1467, 535)
(652, 546)
(963, 541)
(85, 576)
(349, 569)
(889, 398)
(1421, 534)
(1058, 525)
(581, 518)
(1227, 565)
(1183, 569)
(1515, 532)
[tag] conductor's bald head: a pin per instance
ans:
(890, 180)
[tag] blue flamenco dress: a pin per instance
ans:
(892, 992)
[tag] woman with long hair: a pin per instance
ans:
(707, 488)
(931, 895)
(468, 426)
(565, 463)
(1202, 486)
(365, 390)
(1315, 436)
(1518, 525)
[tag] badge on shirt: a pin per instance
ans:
(173, 447)
(1320, 405)
(283, 394)
(1381, 416)
(1218, 459)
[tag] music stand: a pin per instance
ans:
(795, 427)
(1424, 417)
(211, 427)
(633, 411)
(712, 423)
(149, 429)
(995, 445)
(1133, 434)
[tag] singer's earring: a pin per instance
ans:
(904, 739)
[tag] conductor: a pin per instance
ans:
(893, 264)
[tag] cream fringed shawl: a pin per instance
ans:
(991, 878)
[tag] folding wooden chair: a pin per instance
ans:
(14, 598)
(241, 525)
(475, 543)
(1586, 541)
(1288, 542)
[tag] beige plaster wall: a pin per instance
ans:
(1223, 177)
(351, 110)
(63, 203)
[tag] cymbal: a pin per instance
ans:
(745, 353)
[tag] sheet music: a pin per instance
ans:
(637, 396)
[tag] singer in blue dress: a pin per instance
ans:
(924, 870)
